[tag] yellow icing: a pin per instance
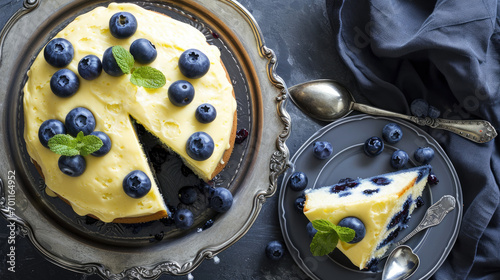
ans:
(113, 100)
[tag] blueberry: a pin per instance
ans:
(73, 166)
(90, 67)
(275, 250)
(433, 112)
(419, 108)
(322, 149)
(181, 93)
(298, 181)
(424, 155)
(106, 143)
(392, 133)
(122, 25)
(432, 179)
(109, 64)
(241, 135)
(58, 52)
(311, 231)
(193, 64)
(143, 51)
(399, 159)
(373, 146)
(357, 225)
(299, 203)
(188, 195)
(80, 119)
(205, 113)
(221, 200)
(183, 218)
(136, 184)
(48, 129)
(200, 146)
(64, 83)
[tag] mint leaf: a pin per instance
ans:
(91, 143)
(324, 242)
(345, 234)
(64, 144)
(148, 77)
(124, 58)
(323, 225)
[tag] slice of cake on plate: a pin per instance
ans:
(383, 204)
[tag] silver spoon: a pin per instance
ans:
(401, 264)
(328, 100)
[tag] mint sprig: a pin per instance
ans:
(67, 145)
(327, 237)
(148, 77)
(124, 58)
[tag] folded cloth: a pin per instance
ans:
(447, 53)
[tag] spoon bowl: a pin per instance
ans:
(401, 264)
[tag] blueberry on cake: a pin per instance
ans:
(382, 204)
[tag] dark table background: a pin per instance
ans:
(300, 34)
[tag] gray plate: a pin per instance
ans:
(348, 160)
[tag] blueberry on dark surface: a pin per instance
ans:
(322, 149)
(64, 83)
(419, 202)
(392, 133)
(241, 135)
(299, 203)
(275, 250)
(136, 184)
(109, 64)
(188, 195)
(424, 155)
(399, 159)
(106, 143)
(298, 181)
(193, 63)
(143, 51)
(90, 67)
(419, 108)
(79, 119)
(205, 113)
(48, 129)
(311, 231)
(73, 166)
(122, 25)
(183, 218)
(208, 224)
(432, 179)
(181, 93)
(221, 200)
(357, 225)
(200, 146)
(373, 146)
(433, 112)
(58, 52)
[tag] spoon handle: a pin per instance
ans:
(478, 131)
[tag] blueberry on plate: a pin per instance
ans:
(122, 25)
(106, 143)
(90, 67)
(419, 108)
(64, 83)
(109, 64)
(399, 159)
(181, 93)
(311, 231)
(373, 146)
(432, 179)
(58, 52)
(275, 250)
(193, 63)
(79, 119)
(205, 113)
(357, 225)
(221, 200)
(392, 133)
(188, 195)
(433, 112)
(73, 166)
(241, 135)
(200, 146)
(322, 149)
(299, 203)
(424, 155)
(143, 51)
(298, 181)
(183, 218)
(136, 184)
(48, 129)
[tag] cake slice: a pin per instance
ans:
(383, 203)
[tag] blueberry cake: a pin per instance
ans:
(193, 112)
(383, 203)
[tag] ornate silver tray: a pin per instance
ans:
(145, 251)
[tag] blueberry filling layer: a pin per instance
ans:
(402, 217)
